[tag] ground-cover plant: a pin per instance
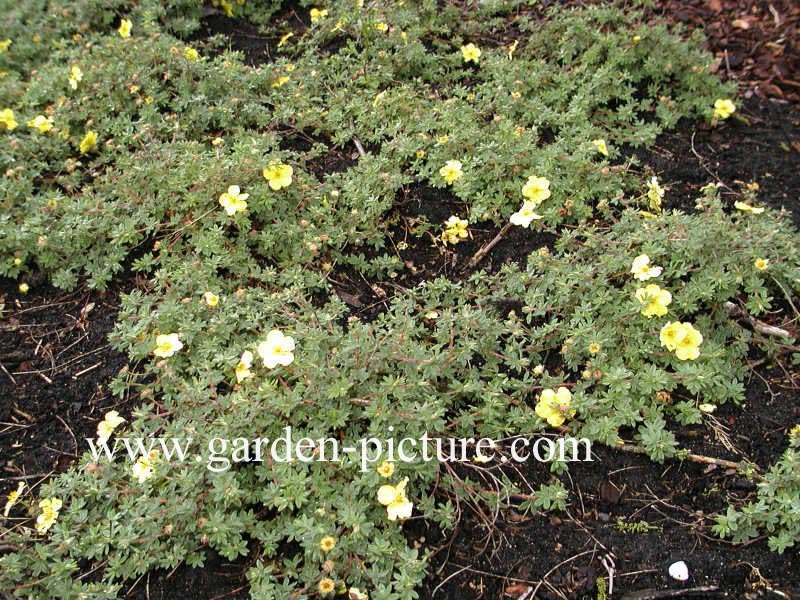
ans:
(214, 180)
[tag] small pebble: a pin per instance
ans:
(679, 571)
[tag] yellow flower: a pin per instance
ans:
(642, 270)
(393, 497)
(107, 426)
(356, 594)
(278, 349)
(442, 139)
(144, 467)
(744, 207)
(167, 345)
(554, 406)
(326, 586)
(420, 154)
(13, 497)
(381, 26)
(210, 299)
(761, 263)
(327, 543)
(471, 52)
(601, 147)
(723, 108)
(233, 201)
(516, 96)
(218, 141)
(243, 367)
(75, 75)
(451, 171)
(455, 230)
(285, 37)
(317, 14)
(41, 123)
(191, 54)
(688, 347)
(538, 369)
(280, 81)
(594, 348)
(125, 28)
(654, 299)
(525, 215)
(7, 119)
(655, 193)
(536, 189)
(278, 175)
(24, 288)
(88, 143)
(4, 45)
(227, 7)
(386, 469)
(682, 338)
(50, 508)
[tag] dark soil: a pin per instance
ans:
(56, 367)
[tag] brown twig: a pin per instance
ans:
(480, 254)
(699, 458)
(659, 594)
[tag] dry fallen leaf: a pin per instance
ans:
(741, 24)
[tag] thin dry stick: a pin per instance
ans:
(480, 254)
(659, 594)
(721, 462)
(759, 326)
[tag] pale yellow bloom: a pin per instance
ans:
(525, 215)
(682, 338)
(278, 175)
(451, 171)
(654, 299)
(167, 345)
(594, 348)
(107, 426)
(88, 143)
(124, 29)
(393, 497)
(49, 514)
(723, 108)
(536, 189)
(210, 299)
(554, 406)
(655, 193)
(13, 497)
(41, 123)
(326, 586)
(642, 270)
(386, 469)
(4, 45)
(243, 367)
(761, 263)
(24, 288)
(233, 201)
(470, 53)
(191, 54)
(280, 81)
(327, 543)
(601, 147)
(317, 14)
(455, 230)
(277, 349)
(144, 467)
(75, 75)
(7, 119)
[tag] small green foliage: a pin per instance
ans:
(635, 526)
(775, 510)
